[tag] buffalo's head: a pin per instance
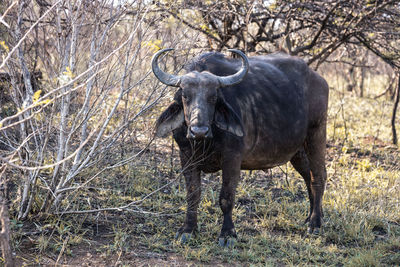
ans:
(199, 103)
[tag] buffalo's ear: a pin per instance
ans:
(170, 119)
(226, 118)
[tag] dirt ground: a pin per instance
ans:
(88, 256)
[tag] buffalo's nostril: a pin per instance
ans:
(199, 132)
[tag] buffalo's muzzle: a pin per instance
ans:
(199, 132)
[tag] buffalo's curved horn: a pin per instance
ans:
(238, 76)
(165, 78)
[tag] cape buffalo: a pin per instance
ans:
(248, 113)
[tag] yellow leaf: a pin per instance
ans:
(36, 95)
(204, 27)
(154, 45)
(68, 72)
(273, 6)
(44, 102)
(5, 47)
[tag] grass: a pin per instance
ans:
(361, 204)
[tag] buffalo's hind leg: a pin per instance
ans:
(315, 148)
(311, 165)
(302, 165)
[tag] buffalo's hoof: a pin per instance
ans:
(183, 237)
(314, 231)
(227, 242)
(314, 225)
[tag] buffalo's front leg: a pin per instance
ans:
(193, 194)
(230, 179)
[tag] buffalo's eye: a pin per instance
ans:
(185, 97)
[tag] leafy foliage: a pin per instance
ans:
(313, 30)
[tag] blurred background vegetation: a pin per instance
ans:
(82, 177)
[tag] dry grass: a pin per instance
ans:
(362, 208)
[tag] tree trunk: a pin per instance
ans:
(364, 61)
(396, 104)
(5, 233)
